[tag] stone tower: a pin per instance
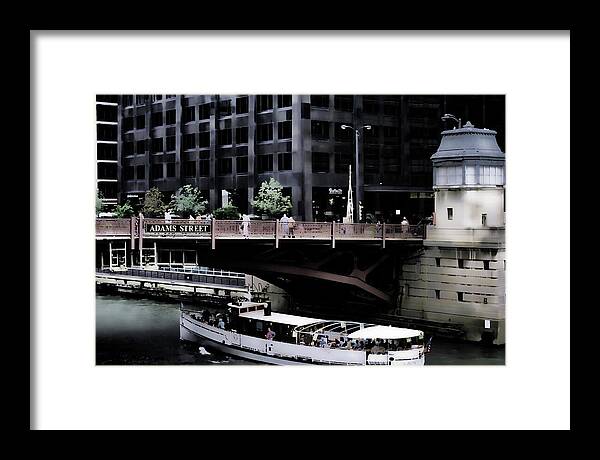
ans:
(459, 277)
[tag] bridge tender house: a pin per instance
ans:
(176, 228)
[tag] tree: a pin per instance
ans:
(270, 200)
(153, 203)
(124, 210)
(188, 201)
(99, 203)
(229, 212)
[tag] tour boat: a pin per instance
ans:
(250, 330)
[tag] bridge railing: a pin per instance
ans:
(357, 231)
(400, 232)
(113, 227)
(241, 229)
(306, 230)
(238, 229)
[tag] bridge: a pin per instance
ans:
(338, 263)
(213, 230)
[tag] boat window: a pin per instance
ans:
(259, 326)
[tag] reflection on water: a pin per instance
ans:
(144, 331)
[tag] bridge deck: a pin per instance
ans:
(254, 230)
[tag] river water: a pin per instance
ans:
(144, 331)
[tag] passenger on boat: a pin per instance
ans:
(270, 334)
(323, 342)
(221, 323)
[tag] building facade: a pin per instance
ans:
(235, 142)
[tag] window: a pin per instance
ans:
(106, 151)
(140, 171)
(170, 169)
(171, 117)
(450, 213)
(449, 175)
(437, 293)
(156, 97)
(371, 159)
(486, 264)
(284, 161)
(189, 141)
(319, 129)
(127, 100)
(127, 124)
(284, 101)
(264, 163)
(189, 114)
(171, 144)
(264, 132)
(343, 135)
(204, 168)
(491, 175)
(241, 165)
(140, 122)
(344, 103)
(241, 104)
(264, 103)
(106, 113)
(391, 108)
(305, 111)
(342, 162)
(470, 175)
(437, 261)
(189, 169)
(141, 99)
(225, 108)
(157, 145)
(157, 119)
(284, 129)
(204, 139)
(141, 147)
(320, 162)
(320, 101)
(461, 296)
(224, 166)
(370, 104)
(128, 148)
(241, 135)
(157, 171)
(461, 263)
(204, 112)
(224, 137)
(391, 132)
(129, 171)
(484, 220)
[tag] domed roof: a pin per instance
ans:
(468, 142)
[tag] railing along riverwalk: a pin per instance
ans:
(277, 230)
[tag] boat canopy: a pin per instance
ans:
(384, 332)
(280, 318)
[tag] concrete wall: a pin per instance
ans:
(431, 283)
(468, 206)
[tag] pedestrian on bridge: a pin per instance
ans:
(245, 225)
(285, 225)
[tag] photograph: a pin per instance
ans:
(287, 229)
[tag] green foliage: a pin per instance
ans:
(153, 204)
(188, 201)
(124, 210)
(99, 203)
(229, 212)
(270, 200)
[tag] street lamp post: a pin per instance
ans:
(356, 170)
